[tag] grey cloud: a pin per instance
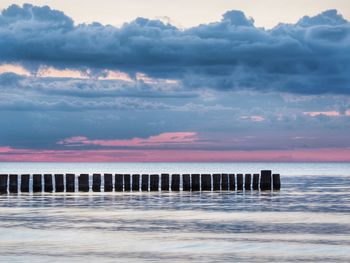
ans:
(309, 57)
(329, 17)
(90, 88)
(59, 104)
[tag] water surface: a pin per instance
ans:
(308, 220)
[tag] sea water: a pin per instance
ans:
(307, 220)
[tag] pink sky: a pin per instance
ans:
(315, 155)
(165, 147)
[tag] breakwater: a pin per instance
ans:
(108, 182)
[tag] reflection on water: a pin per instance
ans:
(308, 220)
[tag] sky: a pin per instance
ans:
(184, 13)
(205, 81)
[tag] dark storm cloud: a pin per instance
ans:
(309, 57)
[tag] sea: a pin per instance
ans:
(308, 220)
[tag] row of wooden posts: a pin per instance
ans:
(9, 183)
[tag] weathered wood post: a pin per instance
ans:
(83, 183)
(232, 182)
(154, 182)
(96, 182)
(276, 181)
(135, 182)
(127, 187)
(48, 187)
(59, 183)
(239, 182)
(70, 183)
(247, 181)
(144, 183)
(195, 183)
(37, 183)
(216, 182)
(25, 183)
(118, 183)
(13, 187)
(265, 180)
(256, 182)
(175, 182)
(165, 182)
(206, 182)
(186, 182)
(3, 183)
(224, 183)
(108, 183)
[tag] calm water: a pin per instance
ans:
(308, 220)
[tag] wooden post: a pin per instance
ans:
(118, 183)
(175, 182)
(224, 183)
(136, 182)
(70, 183)
(265, 180)
(216, 182)
(195, 183)
(3, 183)
(83, 183)
(96, 182)
(239, 182)
(247, 181)
(232, 182)
(206, 182)
(165, 182)
(127, 187)
(108, 183)
(154, 182)
(256, 182)
(276, 181)
(25, 183)
(37, 184)
(59, 183)
(144, 183)
(186, 182)
(13, 187)
(48, 187)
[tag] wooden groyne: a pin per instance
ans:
(36, 183)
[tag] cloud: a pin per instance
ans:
(12, 68)
(238, 18)
(128, 90)
(309, 57)
(327, 113)
(329, 17)
(23, 104)
(322, 113)
(172, 139)
(210, 141)
(87, 87)
(254, 118)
